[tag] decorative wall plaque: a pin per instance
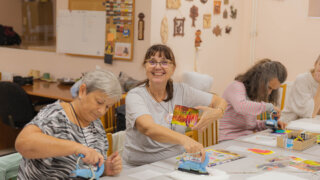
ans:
(178, 29)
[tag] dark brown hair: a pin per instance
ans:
(166, 52)
(256, 80)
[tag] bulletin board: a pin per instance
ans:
(119, 29)
(119, 24)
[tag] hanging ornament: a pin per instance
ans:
(233, 14)
(141, 26)
(217, 30)
(206, 21)
(178, 28)
(193, 14)
(197, 40)
(226, 2)
(164, 30)
(204, 1)
(228, 29)
(216, 7)
(225, 14)
(173, 4)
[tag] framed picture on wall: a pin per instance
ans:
(122, 50)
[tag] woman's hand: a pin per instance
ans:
(208, 116)
(113, 164)
(282, 124)
(191, 146)
(278, 112)
(91, 156)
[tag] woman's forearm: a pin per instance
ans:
(32, 143)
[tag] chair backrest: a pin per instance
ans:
(109, 119)
(116, 142)
(208, 137)
(284, 93)
(16, 108)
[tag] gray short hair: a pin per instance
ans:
(102, 80)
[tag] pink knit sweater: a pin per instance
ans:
(240, 117)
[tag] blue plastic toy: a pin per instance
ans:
(272, 123)
(194, 165)
(86, 173)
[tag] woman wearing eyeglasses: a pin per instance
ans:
(150, 136)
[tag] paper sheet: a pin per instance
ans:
(275, 176)
(144, 175)
(308, 124)
(262, 139)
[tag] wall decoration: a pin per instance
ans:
(197, 40)
(206, 21)
(204, 1)
(119, 29)
(228, 29)
(194, 14)
(225, 14)
(178, 29)
(122, 50)
(164, 30)
(216, 6)
(173, 4)
(226, 2)
(233, 14)
(217, 30)
(141, 26)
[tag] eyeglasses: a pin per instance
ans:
(163, 63)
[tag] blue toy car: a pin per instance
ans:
(192, 166)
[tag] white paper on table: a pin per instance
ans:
(307, 124)
(262, 139)
(237, 148)
(144, 175)
(275, 176)
(214, 174)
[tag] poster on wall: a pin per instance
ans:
(122, 50)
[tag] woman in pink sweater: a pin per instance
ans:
(252, 93)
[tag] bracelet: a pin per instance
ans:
(222, 110)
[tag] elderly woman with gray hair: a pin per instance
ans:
(51, 142)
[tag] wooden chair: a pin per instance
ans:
(208, 137)
(284, 89)
(109, 119)
(116, 142)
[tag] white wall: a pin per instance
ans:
(285, 33)
(20, 61)
(218, 57)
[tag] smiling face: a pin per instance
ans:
(93, 105)
(159, 69)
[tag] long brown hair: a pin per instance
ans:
(256, 80)
(166, 52)
(312, 70)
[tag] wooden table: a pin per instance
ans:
(52, 90)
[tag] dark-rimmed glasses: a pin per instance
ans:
(163, 63)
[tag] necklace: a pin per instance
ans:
(169, 115)
(75, 115)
